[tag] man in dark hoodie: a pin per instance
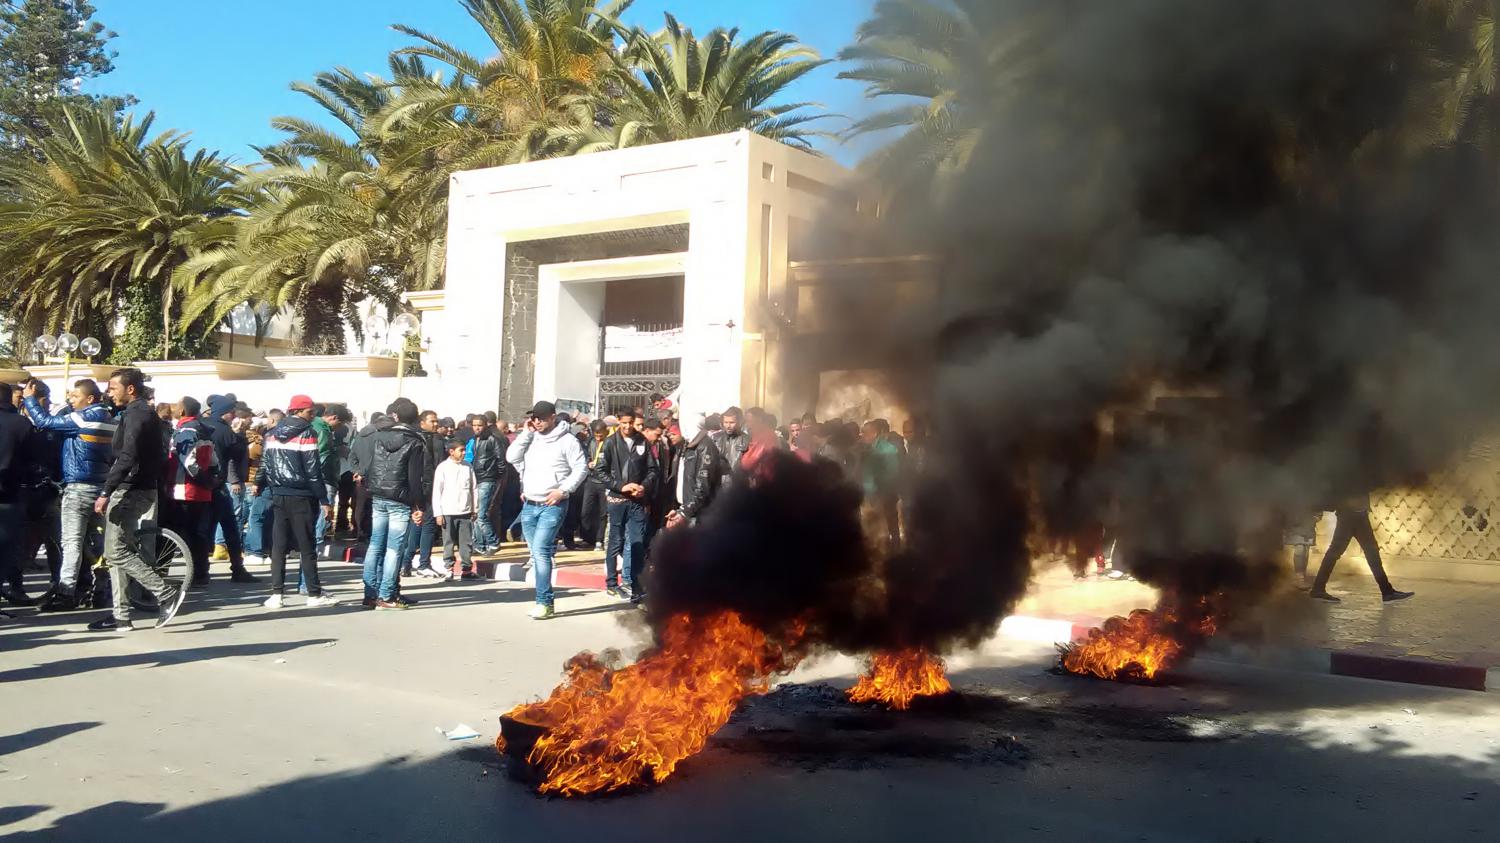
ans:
(128, 499)
(293, 472)
(234, 458)
(394, 477)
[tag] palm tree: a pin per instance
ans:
(948, 65)
(551, 55)
(331, 220)
(672, 86)
(1463, 105)
(104, 208)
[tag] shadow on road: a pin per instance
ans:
(1075, 786)
(73, 667)
(45, 734)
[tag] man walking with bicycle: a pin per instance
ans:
(87, 428)
(129, 498)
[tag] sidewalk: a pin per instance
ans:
(1443, 636)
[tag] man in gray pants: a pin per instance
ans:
(129, 498)
(87, 428)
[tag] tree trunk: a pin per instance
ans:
(322, 314)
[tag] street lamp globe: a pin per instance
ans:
(405, 325)
(44, 344)
(67, 343)
(89, 346)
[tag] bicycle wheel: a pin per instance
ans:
(172, 561)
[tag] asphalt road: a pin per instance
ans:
(238, 723)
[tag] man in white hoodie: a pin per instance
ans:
(552, 467)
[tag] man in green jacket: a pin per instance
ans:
(326, 424)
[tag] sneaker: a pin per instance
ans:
(254, 559)
(431, 574)
(369, 602)
(320, 601)
(1324, 596)
(109, 624)
(167, 608)
(242, 575)
(221, 553)
(470, 575)
(383, 605)
(16, 596)
(60, 601)
(273, 602)
(1393, 596)
(406, 602)
(541, 612)
(614, 591)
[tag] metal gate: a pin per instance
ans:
(632, 382)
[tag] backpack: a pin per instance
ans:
(193, 464)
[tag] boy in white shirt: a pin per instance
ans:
(455, 499)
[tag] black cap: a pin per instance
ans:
(543, 409)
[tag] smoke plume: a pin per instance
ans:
(1206, 272)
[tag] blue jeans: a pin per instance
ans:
(241, 503)
(320, 532)
(627, 539)
(539, 524)
(255, 524)
(389, 521)
(226, 524)
(484, 532)
(419, 541)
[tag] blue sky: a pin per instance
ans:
(220, 69)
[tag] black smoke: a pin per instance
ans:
(1210, 267)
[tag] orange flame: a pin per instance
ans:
(609, 729)
(896, 678)
(1141, 645)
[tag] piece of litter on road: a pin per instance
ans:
(329, 643)
(460, 732)
(281, 661)
(1409, 710)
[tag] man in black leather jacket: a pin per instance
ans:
(419, 541)
(629, 475)
(733, 440)
(15, 465)
(290, 469)
(700, 470)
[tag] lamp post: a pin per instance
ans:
(65, 343)
(403, 326)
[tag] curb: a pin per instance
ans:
(1464, 674)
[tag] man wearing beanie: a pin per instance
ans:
(234, 458)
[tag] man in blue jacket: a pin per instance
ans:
(87, 428)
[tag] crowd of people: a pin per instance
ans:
(86, 479)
